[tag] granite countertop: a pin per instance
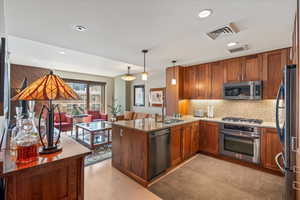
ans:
(149, 125)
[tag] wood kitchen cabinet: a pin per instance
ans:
(209, 137)
(270, 147)
(273, 64)
(186, 141)
(128, 144)
(174, 92)
(202, 82)
(252, 68)
(176, 145)
(233, 70)
(216, 80)
(195, 136)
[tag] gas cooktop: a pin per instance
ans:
(242, 120)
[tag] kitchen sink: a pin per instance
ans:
(172, 121)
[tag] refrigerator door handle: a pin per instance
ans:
(278, 162)
(279, 129)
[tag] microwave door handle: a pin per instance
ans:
(279, 95)
(277, 157)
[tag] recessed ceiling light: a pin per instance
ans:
(231, 44)
(205, 13)
(62, 52)
(80, 28)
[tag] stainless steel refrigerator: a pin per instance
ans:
(286, 129)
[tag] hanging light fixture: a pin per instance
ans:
(128, 76)
(173, 81)
(144, 74)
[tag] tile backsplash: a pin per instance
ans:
(263, 109)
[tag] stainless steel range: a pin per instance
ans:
(241, 139)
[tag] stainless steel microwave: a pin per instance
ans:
(251, 90)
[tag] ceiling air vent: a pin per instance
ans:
(238, 49)
(223, 31)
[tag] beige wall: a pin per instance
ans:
(155, 80)
(264, 109)
(109, 89)
(122, 93)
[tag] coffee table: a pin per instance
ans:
(94, 134)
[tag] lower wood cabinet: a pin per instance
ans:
(270, 147)
(195, 135)
(176, 145)
(184, 142)
(209, 137)
(129, 144)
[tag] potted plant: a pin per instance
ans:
(114, 110)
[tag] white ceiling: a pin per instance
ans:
(28, 52)
(119, 30)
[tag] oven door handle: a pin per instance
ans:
(240, 135)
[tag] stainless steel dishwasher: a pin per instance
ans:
(159, 152)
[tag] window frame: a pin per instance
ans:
(143, 88)
(90, 83)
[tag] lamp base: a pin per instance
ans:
(49, 150)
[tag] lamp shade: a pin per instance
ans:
(48, 87)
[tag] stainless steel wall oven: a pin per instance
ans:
(240, 142)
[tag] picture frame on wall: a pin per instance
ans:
(156, 97)
(139, 95)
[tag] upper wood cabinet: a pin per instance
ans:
(233, 70)
(209, 137)
(216, 80)
(270, 147)
(247, 68)
(202, 83)
(252, 68)
(273, 64)
(174, 92)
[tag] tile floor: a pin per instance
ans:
(103, 182)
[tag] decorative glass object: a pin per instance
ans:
(27, 142)
(17, 129)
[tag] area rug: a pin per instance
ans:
(98, 155)
(208, 178)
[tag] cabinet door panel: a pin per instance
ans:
(202, 85)
(273, 64)
(195, 138)
(252, 70)
(217, 80)
(209, 137)
(186, 141)
(176, 145)
(270, 147)
(233, 69)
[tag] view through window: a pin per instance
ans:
(91, 98)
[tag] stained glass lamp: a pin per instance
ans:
(48, 88)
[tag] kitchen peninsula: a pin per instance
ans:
(140, 155)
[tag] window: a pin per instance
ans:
(92, 97)
(139, 95)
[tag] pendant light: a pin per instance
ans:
(144, 74)
(173, 81)
(128, 76)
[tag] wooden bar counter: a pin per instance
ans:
(51, 177)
